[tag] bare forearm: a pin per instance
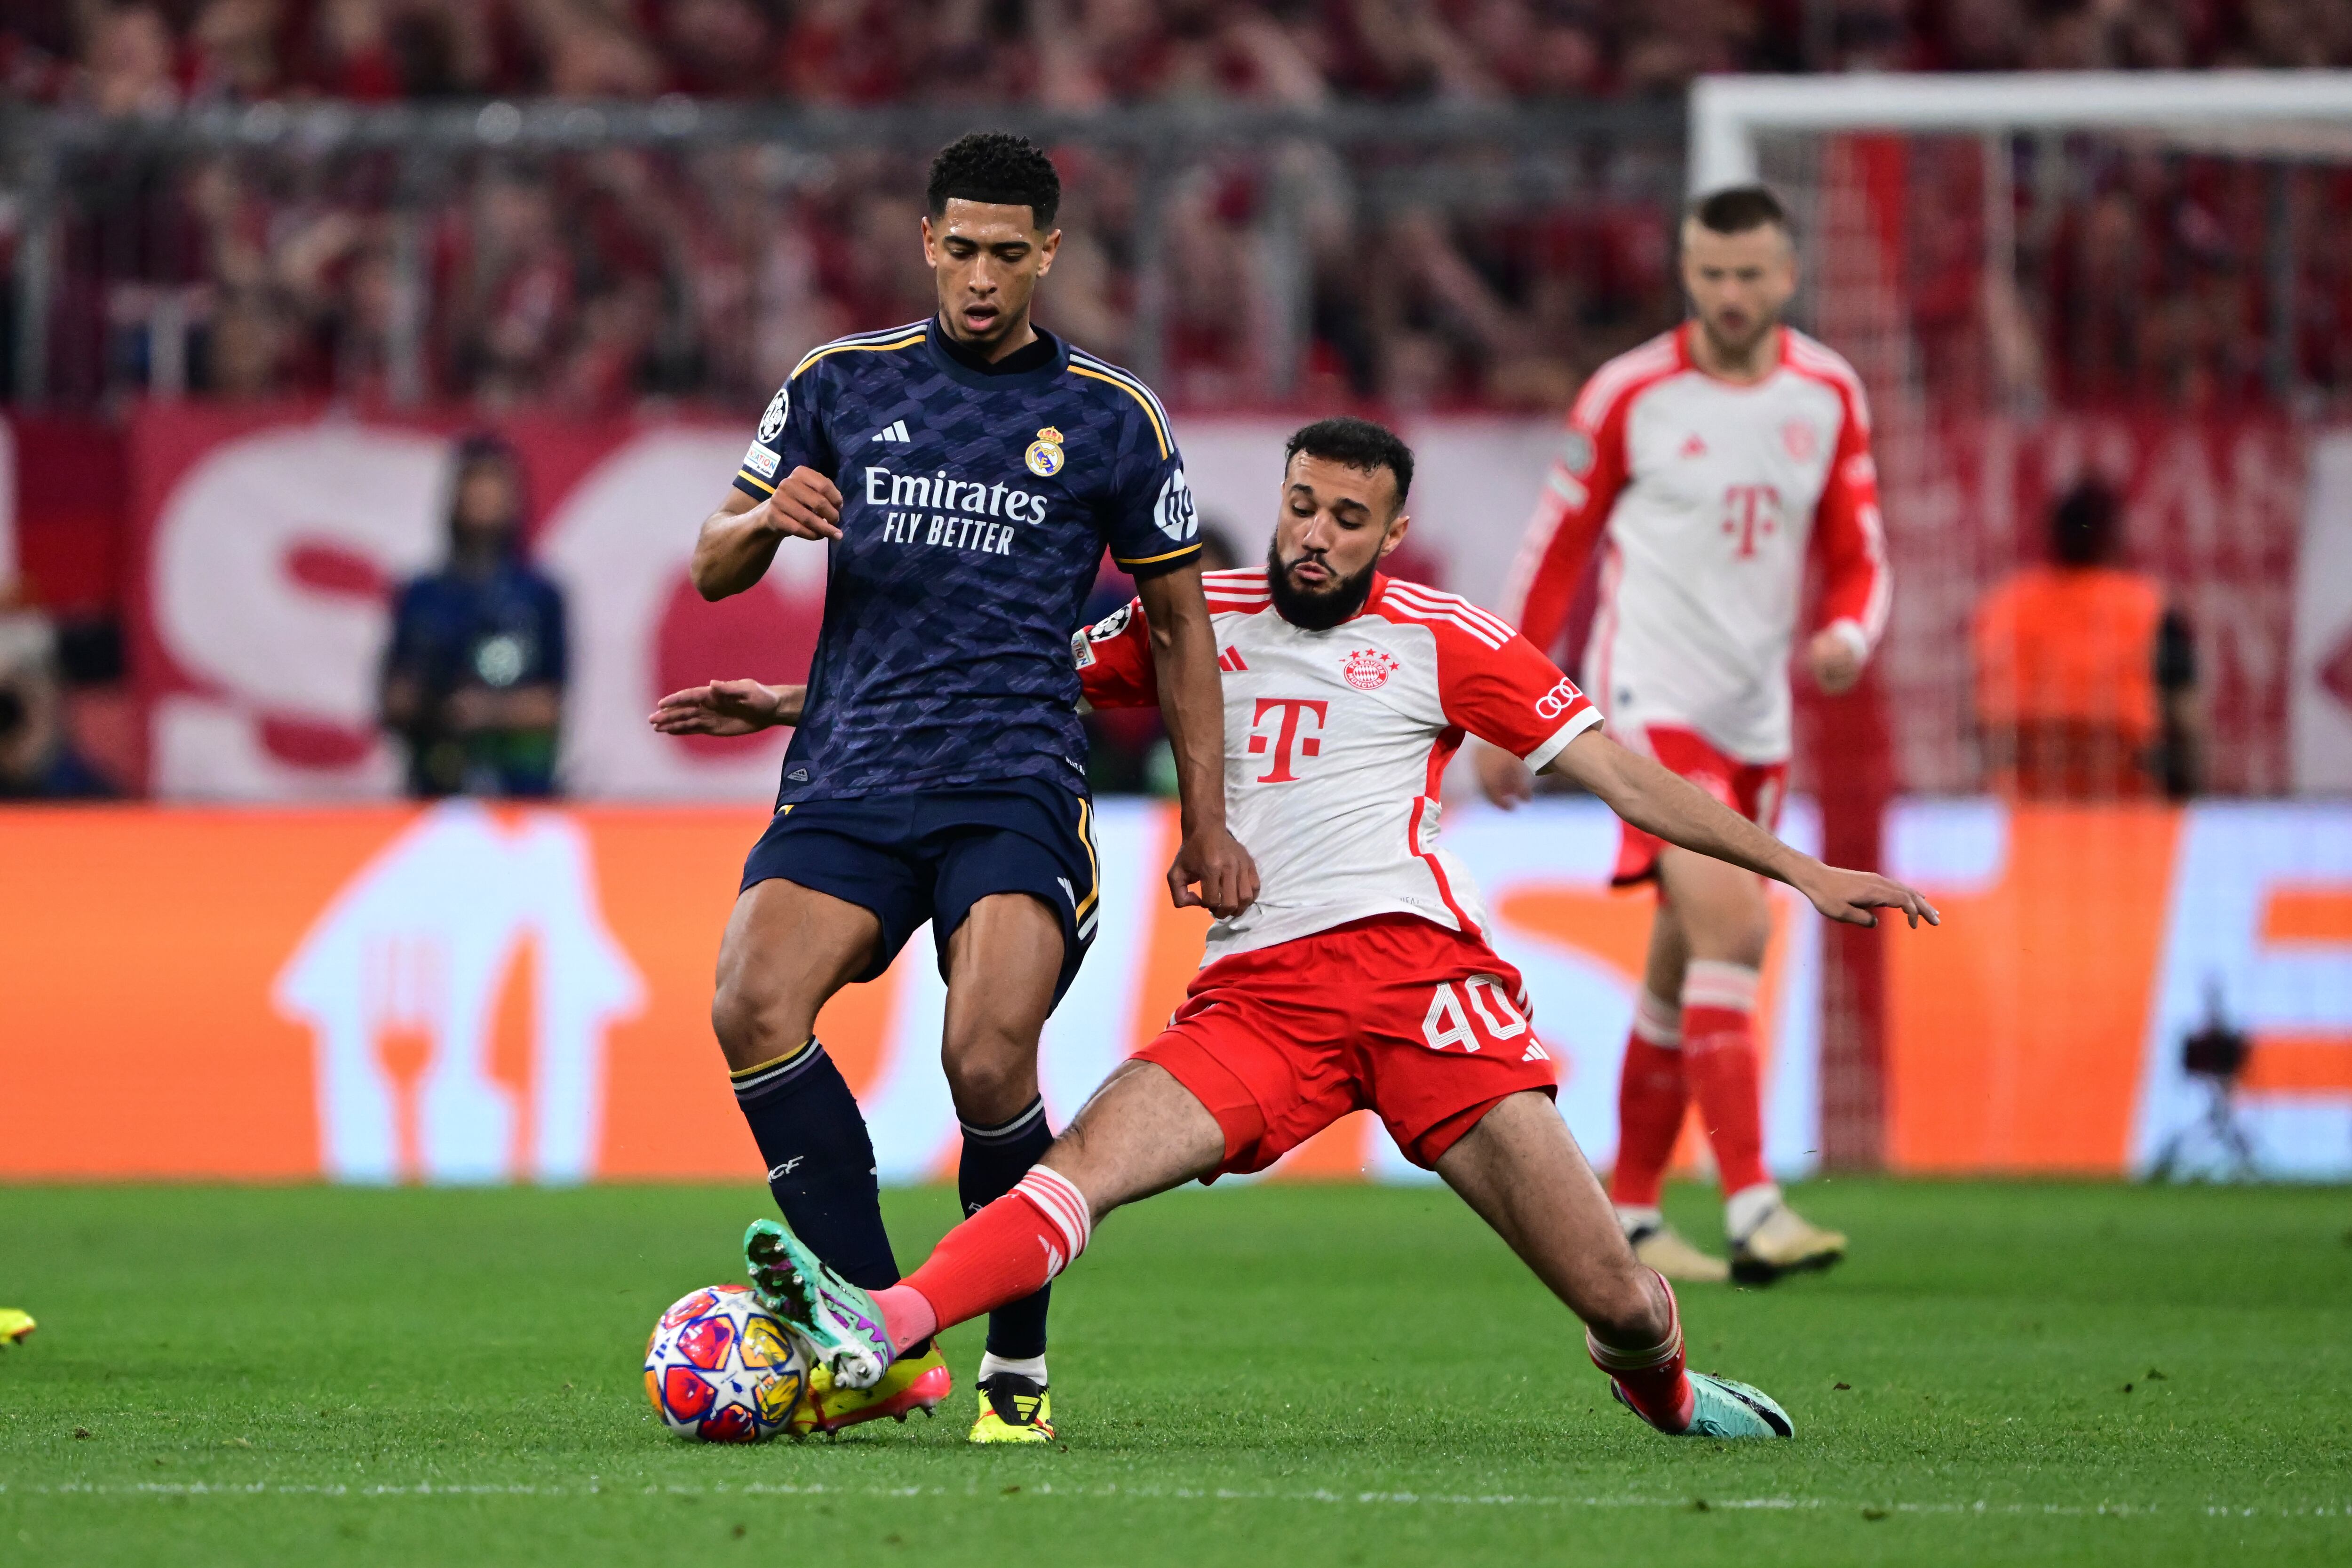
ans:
(1679, 812)
(402, 700)
(732, 552)
(1192, 694)
(1674, 809)
(535, 707)
(1192, 701)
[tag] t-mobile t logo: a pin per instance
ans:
(1750, 510)
(1291, 710)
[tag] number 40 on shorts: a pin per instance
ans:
(1448, 1023)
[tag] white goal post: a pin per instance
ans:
(2280, 114)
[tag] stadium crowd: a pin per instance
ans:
(594, 280)
(1075, 54)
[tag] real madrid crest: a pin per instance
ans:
(1045, 454)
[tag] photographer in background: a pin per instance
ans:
(37, 761)
(474, 680)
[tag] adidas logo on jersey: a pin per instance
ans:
(894, 432)
(1693, 447)
(1229, 659)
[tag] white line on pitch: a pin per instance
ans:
(1147, 1494)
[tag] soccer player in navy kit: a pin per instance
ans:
(968, 472)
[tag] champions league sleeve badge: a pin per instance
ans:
(1045, 454)
(771, 423)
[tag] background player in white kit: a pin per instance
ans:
(1709, 466)
(1361, 977)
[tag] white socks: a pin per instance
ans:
(1743, 1210)
(1711, 982)
(1031, 1367)
(1657, 1021)
(1633, 1218)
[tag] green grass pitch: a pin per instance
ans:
(1274, 1376)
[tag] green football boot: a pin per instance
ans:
(1726, 1409)
(837, 1325)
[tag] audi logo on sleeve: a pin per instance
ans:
(1555, 703)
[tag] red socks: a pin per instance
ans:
(1651, 1097)
(1720, 1057)
(1652, 1378)
(1010, 1249)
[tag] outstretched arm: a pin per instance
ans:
(1192, 706)
(1679, 812)
(728, 707)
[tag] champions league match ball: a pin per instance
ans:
(720, 1368)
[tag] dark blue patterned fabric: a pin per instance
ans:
(975, 510)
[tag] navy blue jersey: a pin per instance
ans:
(974, 512)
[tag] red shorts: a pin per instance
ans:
(1752, 789)
(1426, 1025)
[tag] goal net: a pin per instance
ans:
(2137, 278)
(2044, 278)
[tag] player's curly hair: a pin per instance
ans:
(1357, 443)
(999, 167)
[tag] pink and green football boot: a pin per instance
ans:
(837, 1325)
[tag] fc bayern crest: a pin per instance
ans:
(771, 423)
(1367, 669)
(1576, 452)
(1045, 454)
(1801, 438)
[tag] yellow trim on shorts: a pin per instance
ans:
(1094, 866)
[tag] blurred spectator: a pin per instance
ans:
(242, 354)
(2086, 682)
(37, 761)
(234, 48)
(129, 61)
(474, 680)
(595, 279)
(140, 57)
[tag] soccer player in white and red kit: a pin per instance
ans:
(1361, 977)
(1710, 467)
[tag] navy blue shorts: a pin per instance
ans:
(933, 855)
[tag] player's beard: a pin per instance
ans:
(1742, 349)
(1316, 611)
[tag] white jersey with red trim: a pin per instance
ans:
(1336, 741)
(1706, 499)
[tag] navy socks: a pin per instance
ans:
(994, 1159)
(819, 1160)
